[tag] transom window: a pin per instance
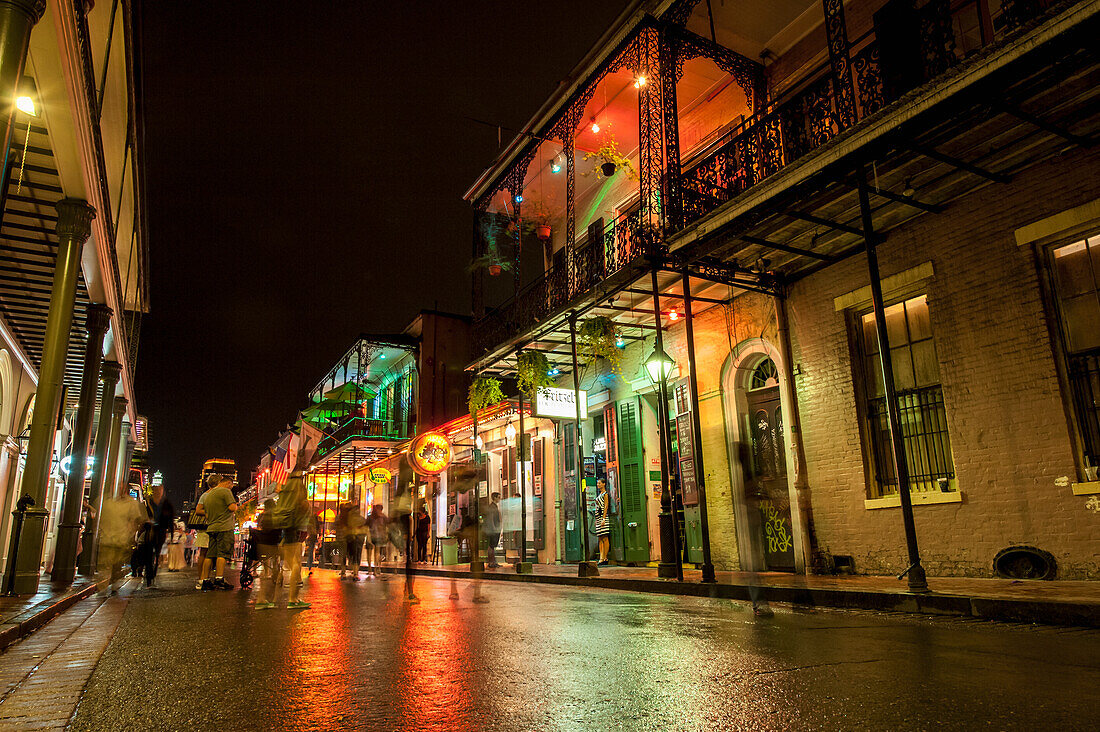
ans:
(764, 375)
(920, 401)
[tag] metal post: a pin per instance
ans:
(918, 582)
(522, 566)
(586, 568)
(476, 565)
(693, 388)
(96, 323)
(17, 18)
(670, 564)
(74, 226)
(109, 373)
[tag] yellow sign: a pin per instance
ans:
(430, 453)
(378, 476)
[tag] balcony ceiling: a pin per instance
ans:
(28, 252)
(1029, 113)
(750, 26)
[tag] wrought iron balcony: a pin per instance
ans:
(860, 80)
(364, 428)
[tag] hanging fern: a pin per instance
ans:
(484, 392)
(532, 372)
(598, 338)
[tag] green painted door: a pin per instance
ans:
(633, 482)
(570, 527)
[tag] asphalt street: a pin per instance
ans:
(553, 658)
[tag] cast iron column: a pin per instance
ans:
(17, 18)
(522, 566)
(109, 372)
(915, 573)
(96, 322)
(586, 568)
(671, 564)
(111, 479)
(696, 443)
(74, 226)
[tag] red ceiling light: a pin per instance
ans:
(639, 82)
(595, 126)
(673, 315)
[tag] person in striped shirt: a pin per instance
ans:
(603, 525)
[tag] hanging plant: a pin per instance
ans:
(611, 159)
(496, 258)
(539, 215)
(484, 392)
(532, 372)
(599, 337)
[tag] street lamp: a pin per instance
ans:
(659, 364)
(26, 97)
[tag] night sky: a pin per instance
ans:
(305, 166)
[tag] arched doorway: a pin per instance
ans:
(759, 460)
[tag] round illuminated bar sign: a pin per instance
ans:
(430, 453)
(378, 476)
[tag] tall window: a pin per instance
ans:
(1077, 282)
(919, 396)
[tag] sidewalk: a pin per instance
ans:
(1035, 601)
(23, 614)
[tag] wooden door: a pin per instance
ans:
(766, 479)
(632, 487)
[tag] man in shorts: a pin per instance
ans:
(221, 512)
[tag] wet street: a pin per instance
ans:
(552, 658)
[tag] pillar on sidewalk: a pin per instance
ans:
(68, 530)
(74, 226)
(115, 448)
(109, 373)
(17, 18)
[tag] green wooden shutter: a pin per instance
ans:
(633, 483)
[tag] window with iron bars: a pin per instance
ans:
(920, 401)
(1077, 284)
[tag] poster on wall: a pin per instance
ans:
(685, 438)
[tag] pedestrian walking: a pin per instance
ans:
(292, 516)
(376, 531)
(176, 539)
(221, 507)
(119, 520)
(354, 529)
(493, 528)
(198, 523)
(423, 531)
(603, 525)
(162, 517)
(267, 538)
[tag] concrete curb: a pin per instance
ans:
(1052, 612)
(35, 617)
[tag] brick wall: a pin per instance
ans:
(1010, 440)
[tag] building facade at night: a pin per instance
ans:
(73, 275)
(383, 392)
(867, 235)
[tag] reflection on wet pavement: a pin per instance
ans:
(554, 658)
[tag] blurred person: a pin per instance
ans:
(354, 530)
(602, 524)
(176, 539)
(221, 507)
(376, 533)
(162, 515)
(121, 517)
(293, 515)
(267, 537)
(202, 540)
(492, 528)
(423, 531)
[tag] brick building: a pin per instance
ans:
(816, 180)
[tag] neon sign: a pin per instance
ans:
(430, 453)
(378, 476)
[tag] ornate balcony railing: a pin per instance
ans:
(364, 428)
(606, 251)
(812, 115)
(929, 40)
